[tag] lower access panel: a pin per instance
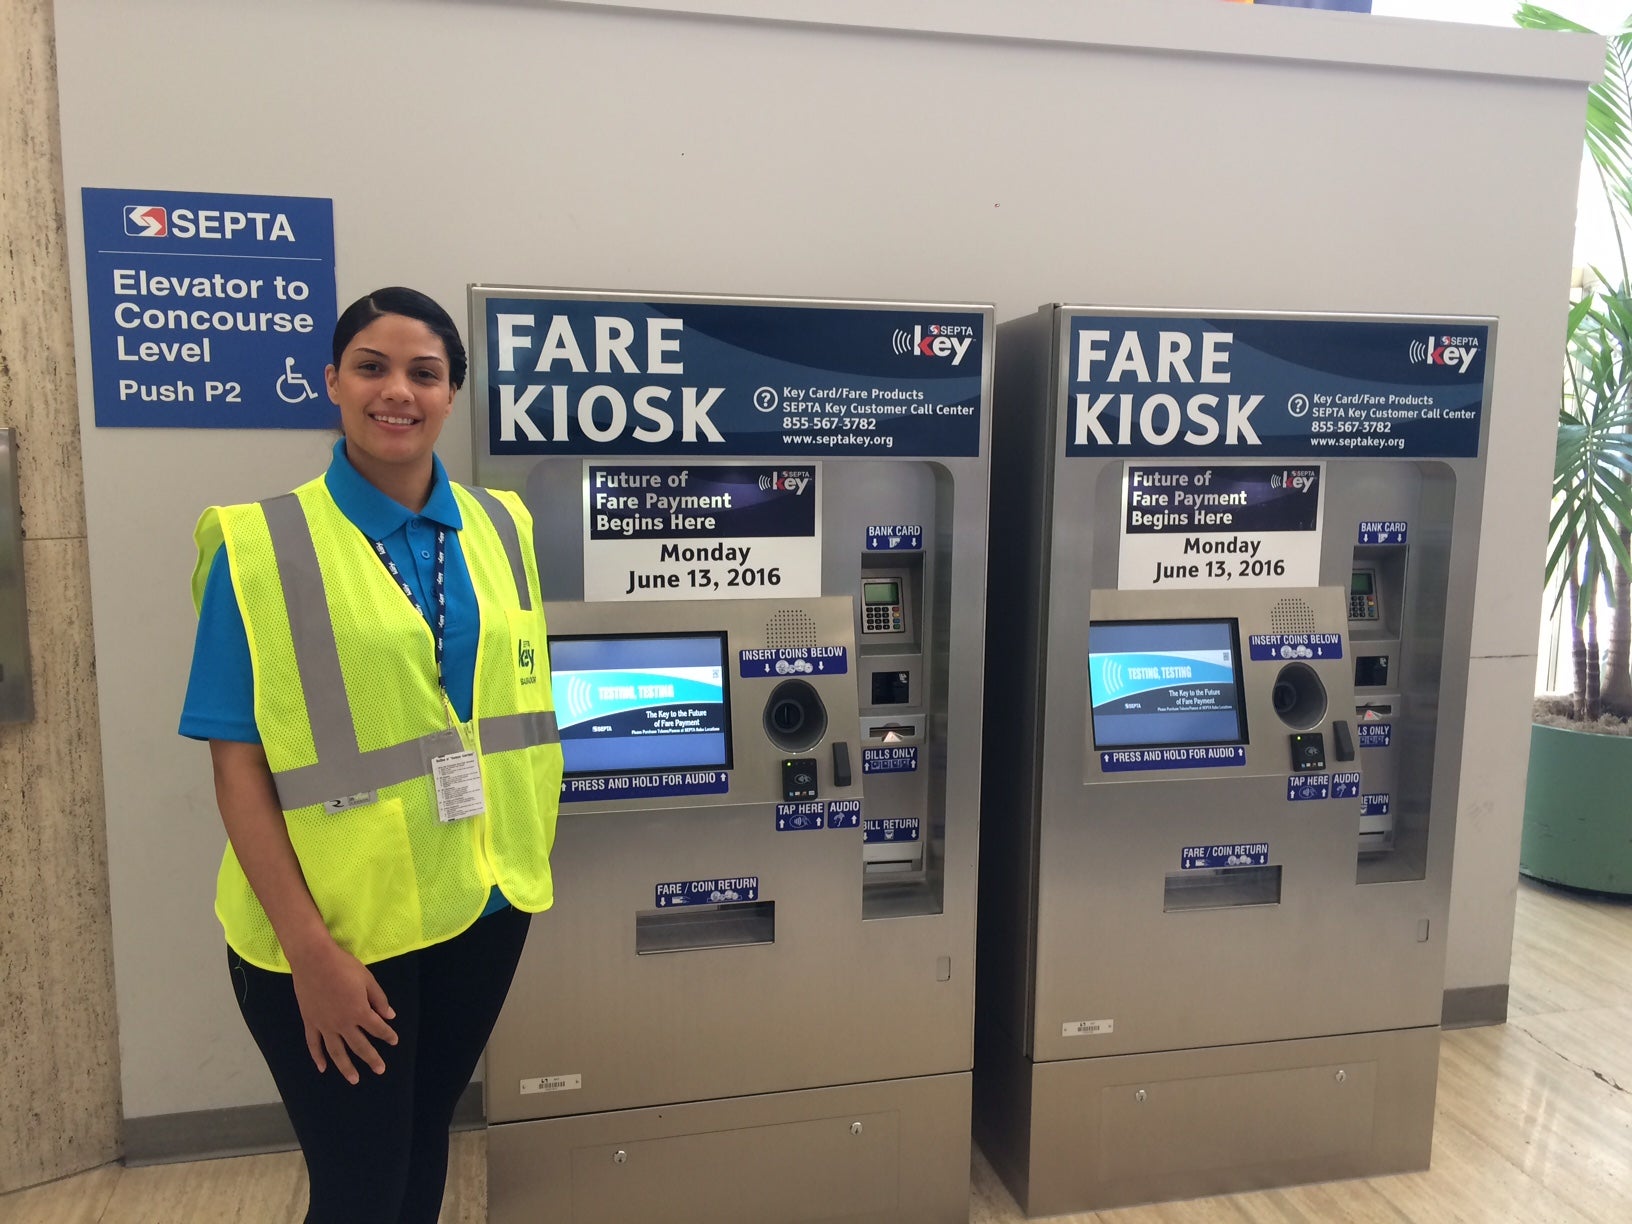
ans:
(1108, 1132)
(895, 1152)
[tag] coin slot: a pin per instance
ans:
(795, 718)
(1299, 697)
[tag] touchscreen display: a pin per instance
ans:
(1164, 683)
(636, 703)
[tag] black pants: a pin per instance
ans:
(377, 1152)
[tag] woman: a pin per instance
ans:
(387, 771)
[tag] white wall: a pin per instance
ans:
(1167, 152)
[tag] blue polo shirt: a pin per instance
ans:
(220, 701)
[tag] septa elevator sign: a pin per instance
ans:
(209, 311)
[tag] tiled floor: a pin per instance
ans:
(1534, 1123)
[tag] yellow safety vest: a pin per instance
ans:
(350, 715)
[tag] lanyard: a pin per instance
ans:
(439, 625)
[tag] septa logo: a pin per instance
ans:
(936, 340)
(1457, 352)
(146, 221)
(1299, 480)
(795, 482)
(526, 658)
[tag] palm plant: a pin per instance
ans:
(1588, 554)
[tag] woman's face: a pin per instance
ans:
(393, 392)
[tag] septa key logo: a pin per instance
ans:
(795, 482)
(146, 221)
(1457, 352)
(937, 340)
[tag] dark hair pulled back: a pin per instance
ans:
(411, 304)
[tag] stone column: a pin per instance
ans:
(59, 1040)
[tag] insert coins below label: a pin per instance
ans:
(1262, 646)
(794, 661)
(646, 785)
(707, 892)
(1123, 760)
(1244, 854)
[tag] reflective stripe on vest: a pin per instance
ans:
(505, 525)
(341, 769)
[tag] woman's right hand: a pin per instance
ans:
(341, 1005)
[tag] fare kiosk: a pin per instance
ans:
(1232, 566)
(761, 534)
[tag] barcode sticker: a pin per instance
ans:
(552, 1083)
(1086, 1028)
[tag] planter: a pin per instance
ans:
(1578, 810)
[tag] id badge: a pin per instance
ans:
(458, 779)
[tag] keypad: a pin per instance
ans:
(881, 618)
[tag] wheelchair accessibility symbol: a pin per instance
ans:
(292, 385)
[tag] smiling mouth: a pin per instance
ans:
(391, 420)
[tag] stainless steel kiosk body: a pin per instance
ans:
(1232, 565)
(753, 999)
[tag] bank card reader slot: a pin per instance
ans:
(1363, 594)
(884, 604)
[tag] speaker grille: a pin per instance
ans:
(1291, 616)
(790, 627)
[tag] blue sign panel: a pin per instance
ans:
(844, 814)
(1300, 787)
(1383, 531)
(572, 377)
(707, 892)
(1374, 804)
(1183, 386)
(1376, 735)
(1123, 761)
(889, 760)
(894, 829)
(895, 537)
(209, 311)
(794, 661)
(646, 785)
(1221, 500)
(800, 816)
(1250, 854)
(672, 503)
(1269, 646)
(1346, 786)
